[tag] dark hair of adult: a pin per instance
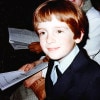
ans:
(96, 4)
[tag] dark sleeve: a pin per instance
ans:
(94, 88)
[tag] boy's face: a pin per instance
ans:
(56, 38)
(78, 2)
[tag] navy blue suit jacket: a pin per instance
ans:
(81, 81)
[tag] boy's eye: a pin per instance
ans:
(41, 33)
(59, 31)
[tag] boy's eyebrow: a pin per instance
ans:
(54, 27)
(39, 28)
(60, 27)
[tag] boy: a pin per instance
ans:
(61, 26)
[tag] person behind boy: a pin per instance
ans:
(93, 43)
(61, 26)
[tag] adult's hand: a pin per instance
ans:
(35, 47)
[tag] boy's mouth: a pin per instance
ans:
(53, 49)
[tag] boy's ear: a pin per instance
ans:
(78, 40)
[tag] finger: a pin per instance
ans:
(23, 67)
(28, 67)
(27, 83)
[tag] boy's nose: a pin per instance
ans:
(50, 39)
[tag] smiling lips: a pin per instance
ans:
(53, 49)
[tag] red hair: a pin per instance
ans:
(65, 11)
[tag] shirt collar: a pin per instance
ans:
(64, 63)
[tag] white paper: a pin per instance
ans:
(8, 79)
(20, 38)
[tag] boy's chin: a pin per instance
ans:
(54, 58)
